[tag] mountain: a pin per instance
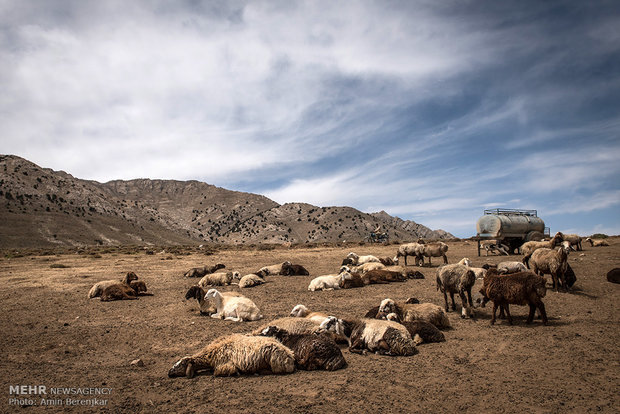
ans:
(40, 207)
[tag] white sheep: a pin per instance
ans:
(478, 271)
(218, 279)
(237, 354)
(505, 268)
(251, 280)
(292, 325)
(234, 308)
(365, 268)
(553, 262)
(410, 249)
(272, 270)
(327, 282)
(300, 311)
(427, 312)
(357, 260)
(530, 247)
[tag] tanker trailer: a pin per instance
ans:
(510, 228)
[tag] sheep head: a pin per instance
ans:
(182, 368)
(387, 306)
(273, 331)
(236, 276)
(195, 292)
(212, 293)
(129, 277)
(392, 317)
(332, 324)
(299, 311)
(465, 261)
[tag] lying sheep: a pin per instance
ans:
(427, 312)
(597, 243)
(311, 351)
(139, 287)
(356, 260)
(613, 276)
(387, 261)
(201, 271)
(99, 287)
(352, 280)
(382, 276)
(288, 269)
(494, 247)
(118, 291)
(410, 249)
(233, 308)
(510, 267)
(292, 325)
(459, 279)
(219, 279)
(530, 247)
(237, 354)
(207, 307)
(366, 267)
(552, 262)
(408, 273)
(251, 280)
(430, 250)
(327, 282)
(421, 332)
(300, 311)
(380, 336)
(271, 270)
(523, 288)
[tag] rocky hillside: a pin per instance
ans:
(40, 207)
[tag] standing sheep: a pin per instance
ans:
(457, 278)
(553, 262)
(523, 288)
(438, 249)
(237, 354)
(530, 247)
(311, 351)
(410, 249)
(573, 239)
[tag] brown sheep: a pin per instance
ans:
(119, 291)
(530, 247)
(288, 269)
(312, 351)
(427, 312)
(597, 243)
(573, 239)
(139, 287)
(613, 275)
(352, 280)
(202, 271)
(523, 288)
(99, 287)
(382, 276)
(430, 250)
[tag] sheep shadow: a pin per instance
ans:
(518, 319)
(577, 291)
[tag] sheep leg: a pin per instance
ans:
(357, 346)
(453, 304)
(445, 259)
(543, 313)
(494, 311)
(530, 317)
(471, 303)
(445, 298)
(464, 309)
(505, 307)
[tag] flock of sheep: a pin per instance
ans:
(309, 340)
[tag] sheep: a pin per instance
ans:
(118, 291)
(251, 280)
(271, 270)
(387, 261)
(510, 267)
(366, 267)
(237, 354)
(406, 272)
(553, 262)
(430, 250)
(569, 276)
(529, 247)
(613, 276)
(99, 287)
(356, 260)
(597, 243)
(457, 278)
(139, 287)
(219, 279)
(494, 246)
(409, 249)
(352, 280)
(420, 331)
(292, 325)
(573, 239)
(300, 311)
(327, 282)
(427, 312)
(382, 337)
(311, 351)
(201, 271)
(522, 288)
(382, 276)
(288, 269)
(236, 309)
(207, 307)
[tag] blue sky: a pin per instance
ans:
(431, 111)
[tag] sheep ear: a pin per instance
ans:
(189, 371)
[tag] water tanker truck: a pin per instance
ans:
(510, 228)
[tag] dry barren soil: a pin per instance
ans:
(54, 336)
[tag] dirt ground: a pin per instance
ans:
(54, 336)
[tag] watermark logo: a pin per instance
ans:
(43, 395)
